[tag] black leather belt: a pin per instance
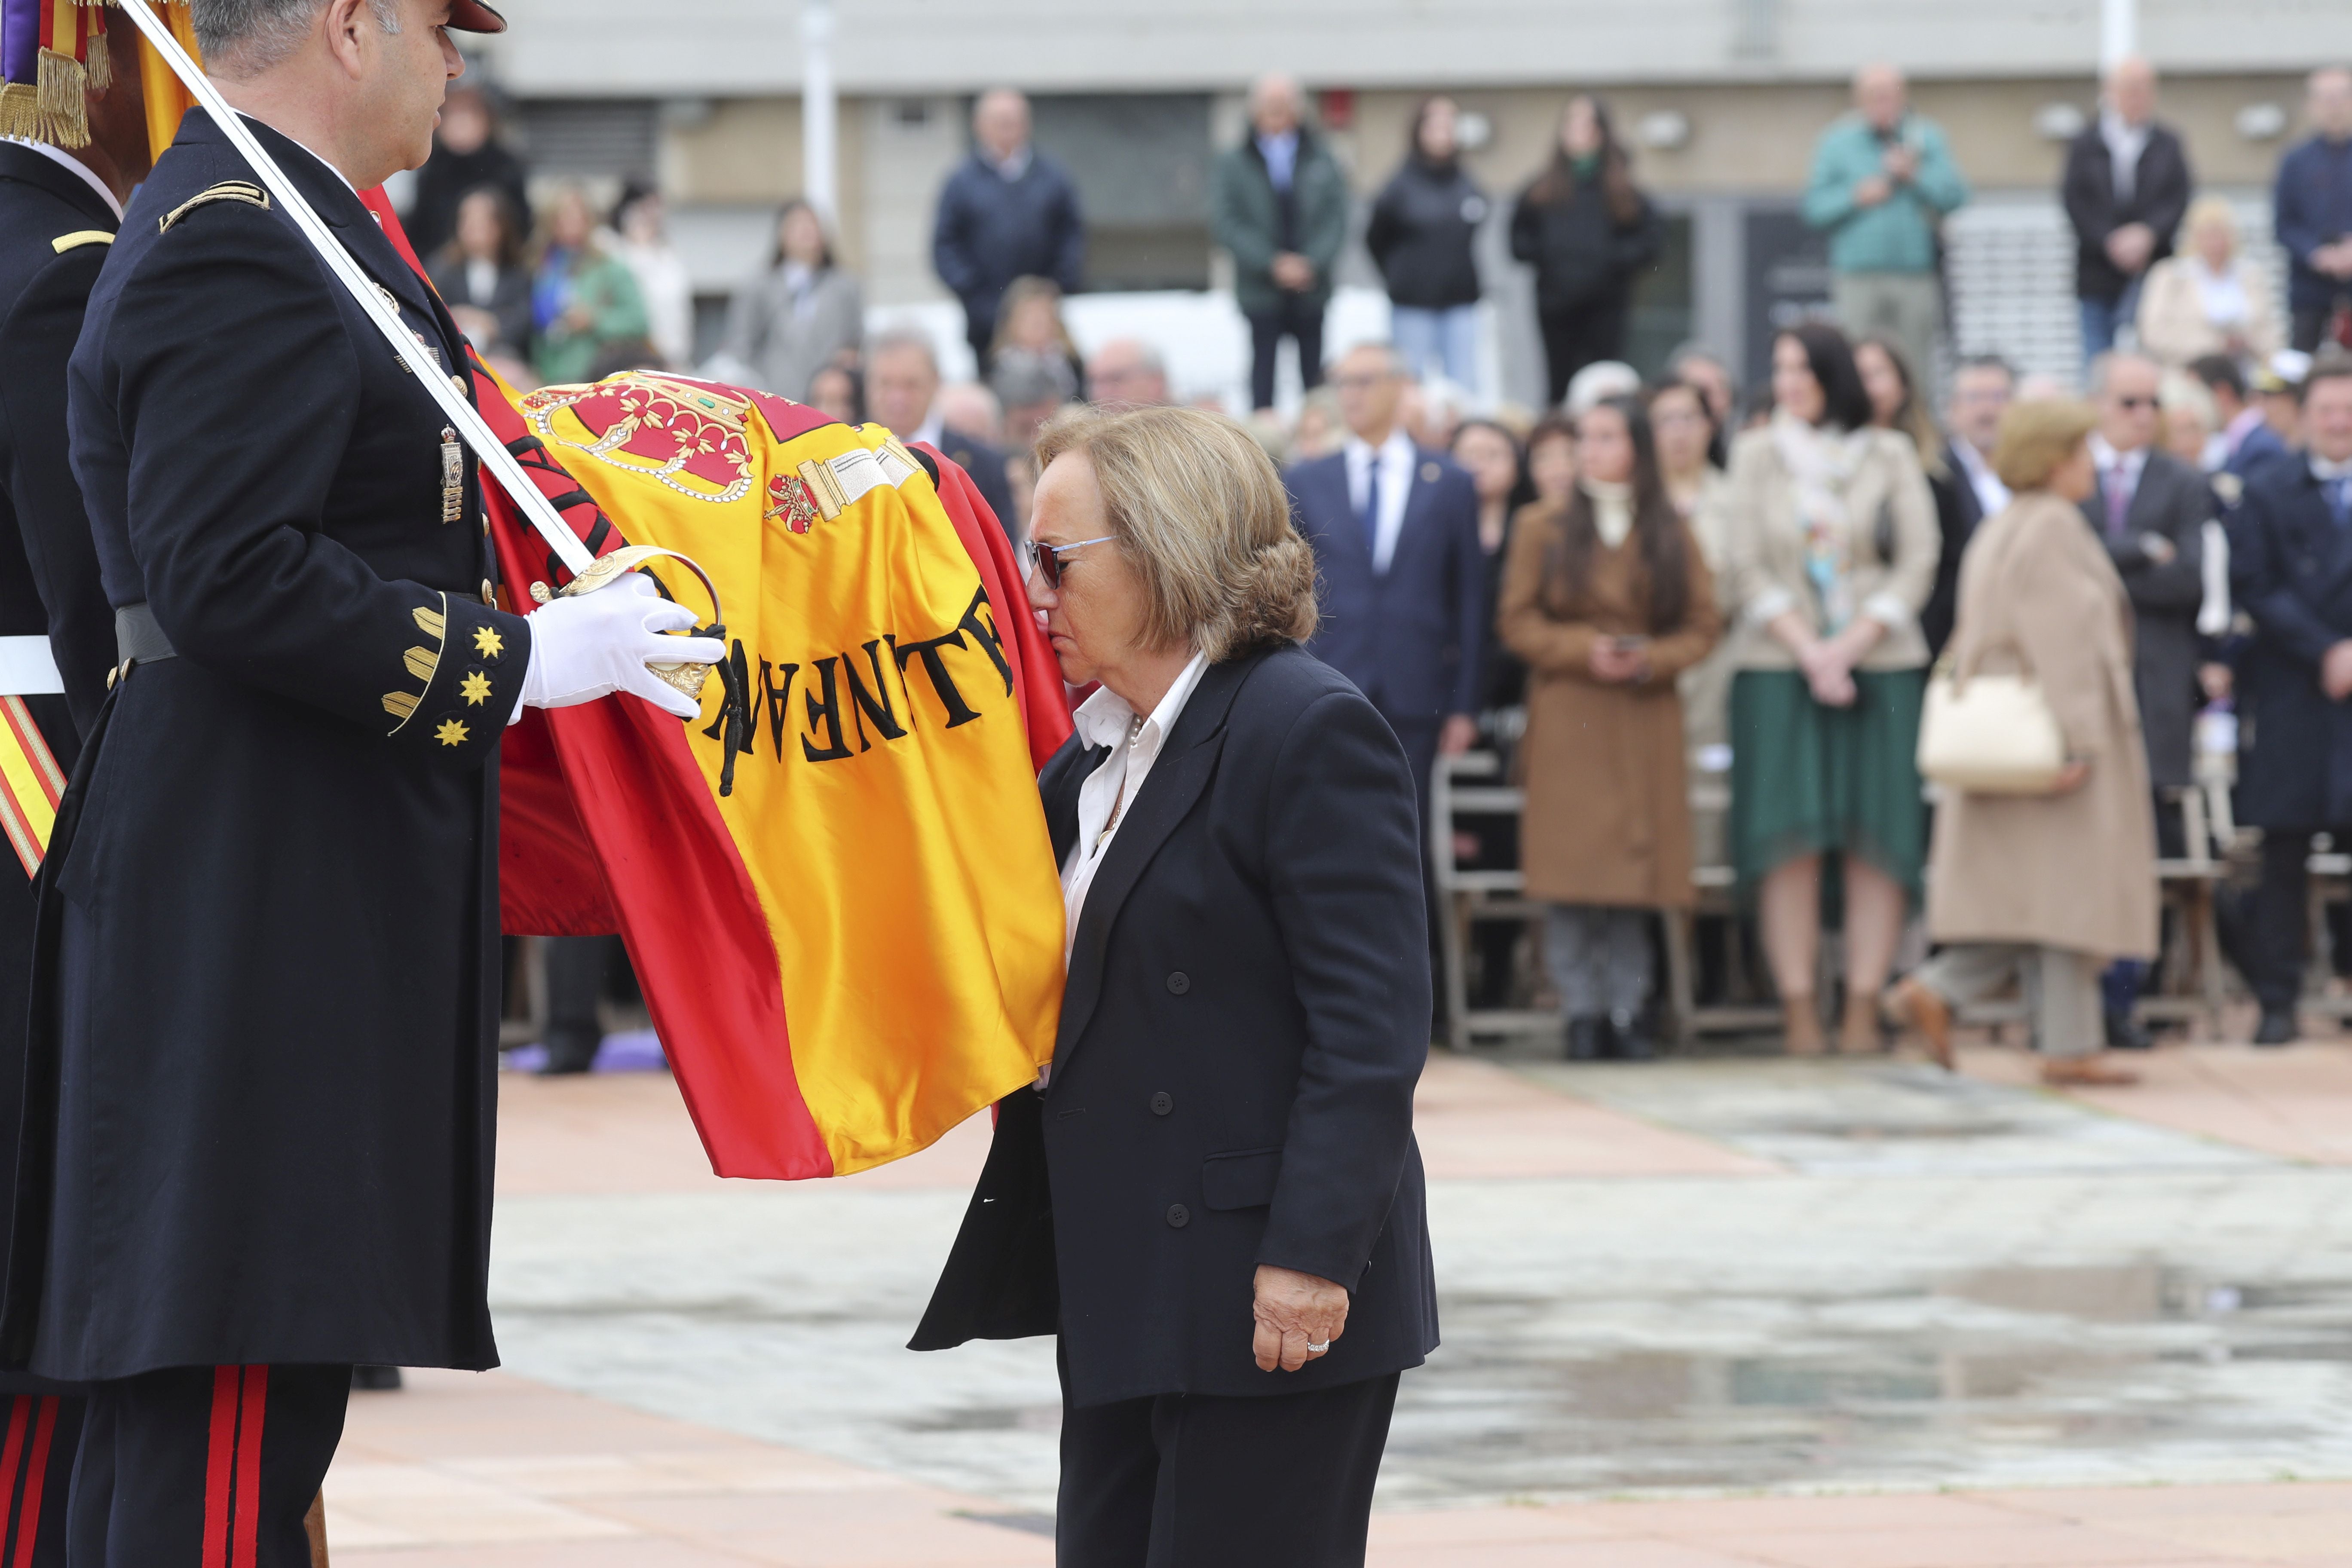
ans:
(137, 638)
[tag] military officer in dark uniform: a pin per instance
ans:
(261, 1094)
(59, 207)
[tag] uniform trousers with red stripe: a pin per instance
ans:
(37, 1463)
(206, 1467)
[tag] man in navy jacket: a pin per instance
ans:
(2314, 208)
(1395, 533)
(2292, 570)
(1008, 212)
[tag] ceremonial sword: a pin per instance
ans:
(587, 573)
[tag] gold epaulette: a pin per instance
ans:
(226, 191)
(80, 238)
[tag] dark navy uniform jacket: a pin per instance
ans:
(2291, 565)
(1246, 1015)
(262, 1092)
(54, 234)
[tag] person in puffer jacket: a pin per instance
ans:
(1421, 235)
(1590, 234)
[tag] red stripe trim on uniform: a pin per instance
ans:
(36, 747)
(246, 1542)
(220, 1455)
(36, 1475)
(19, 1409)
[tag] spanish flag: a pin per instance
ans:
(836, 886)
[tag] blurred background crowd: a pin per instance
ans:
(1642, 510)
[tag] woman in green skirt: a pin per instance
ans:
(1830, 545)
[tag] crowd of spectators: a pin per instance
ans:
(1649, 581)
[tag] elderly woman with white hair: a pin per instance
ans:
(1212, 1197)
(2210, 298)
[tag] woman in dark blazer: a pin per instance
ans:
(1213, 1195)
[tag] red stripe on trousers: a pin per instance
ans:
(220, 1456)
(36, 1475)
(248, 1543)
(20, 1409)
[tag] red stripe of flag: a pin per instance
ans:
(248, 1467)
(220, 1455)
(36, 1475)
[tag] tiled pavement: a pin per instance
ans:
(1650, 1290)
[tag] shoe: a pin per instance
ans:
(375, 1379)
(1584, 1039)
(1800, 1026)
(1631, 1039)
(1859, 1035)
(2126, 1033)
(2086, 1072)
(2277, 1028)
(568, 1052)
(1915, 1006)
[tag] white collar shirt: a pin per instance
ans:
(1109, 793)
(2132, 463)
(2126, 143)
(1009, 170)
(1396, 459)
(930, 431)
(73, 165)
(1992, 496)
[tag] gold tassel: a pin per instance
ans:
(100, 62)
(19, 109)
(62, 113)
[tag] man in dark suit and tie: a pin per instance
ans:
(2150, 509)
(1395, 533)
(2292, 569)
(1968, 491)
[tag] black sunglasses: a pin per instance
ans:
(2134, 405)
(1045, 559)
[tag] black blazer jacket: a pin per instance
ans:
(2291, 569)
(2175, 503)
(2159, 198)
(1245, 1018)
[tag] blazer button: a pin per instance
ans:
(1179, 1216)
(1162, 1103)
(1180, 982)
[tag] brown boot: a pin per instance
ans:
(1800, 1023)
(2086, 1072)
(1860, 1036)
(1918, 1009)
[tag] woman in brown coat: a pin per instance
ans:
(1608, 599)
(2044, 889)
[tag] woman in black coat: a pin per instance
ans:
(1589, 233)
(1213, 1195)
(1422, 227)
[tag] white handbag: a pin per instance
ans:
(1989, 734)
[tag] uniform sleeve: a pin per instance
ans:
(36, 342)
(235, 415)
(1344, 872)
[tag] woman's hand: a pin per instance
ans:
(2070, 778)
(1829, 672)
(1616, 664)
(1298, 1318)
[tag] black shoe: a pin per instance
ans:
(2126, 1033)
(375, 1379)
(2277, 1028)
(570, 1052)
(1584, 1039)
(1631, 1039)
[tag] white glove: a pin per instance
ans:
(585, 647)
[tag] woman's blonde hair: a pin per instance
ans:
(2036, 436)
(2212, 209)
(1196, 505)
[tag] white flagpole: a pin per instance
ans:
(462, 416)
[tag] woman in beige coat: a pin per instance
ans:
(1831, 546)
(2044, 889)
(1608, 599)
(2208, 300)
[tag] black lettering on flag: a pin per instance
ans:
(873, 705)
(826, 713)
(779, 699)
(985, 634)
(935, 665)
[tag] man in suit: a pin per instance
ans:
(1968, 491)
(2247, 440)
(1008, 212)
(261, 1095)
(2292, 567)
(59, 209)
(2126, 188)
(1395, 534)
(902, 393)
(2310, 209)
(2150, 509)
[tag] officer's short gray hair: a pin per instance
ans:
(249, 36)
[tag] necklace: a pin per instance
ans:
(1134, 733)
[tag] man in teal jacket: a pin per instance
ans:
(1279, 203)
(1883, 182)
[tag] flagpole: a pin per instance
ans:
(461, 414)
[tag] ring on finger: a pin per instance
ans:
(1314, 1348)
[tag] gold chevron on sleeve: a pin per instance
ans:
(432, 623)
(401, 705)
(422, 662)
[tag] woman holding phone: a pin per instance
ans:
(1607, 598)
